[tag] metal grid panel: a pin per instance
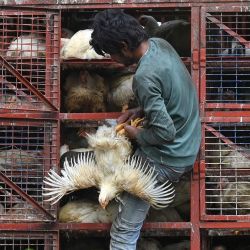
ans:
(227, 169)
(30, 43)
(227, 57)
(27, 151)
(28, 240)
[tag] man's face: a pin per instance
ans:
(125, 57)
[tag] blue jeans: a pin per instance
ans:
(126, 227)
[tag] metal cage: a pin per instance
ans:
(27, 151)
(226, 56)
(29, 50)
(29, 240)
(226, 171)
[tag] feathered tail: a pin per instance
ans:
(140, 180)
(76, 175)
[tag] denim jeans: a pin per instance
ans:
(126, 227)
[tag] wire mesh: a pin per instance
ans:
(27, 151)
(227, 57)
(227, 157)
(29, 42)
(28, 240)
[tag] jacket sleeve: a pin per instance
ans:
(160, 127)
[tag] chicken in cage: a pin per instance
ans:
(84, 92)
(227, 172)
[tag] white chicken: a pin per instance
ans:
(32, 46)
(111, 170)
(78, 46)
(121, 93)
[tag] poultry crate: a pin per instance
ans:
(225, 55)
(28, 240)
(29, 48)
(218, 62)
(225, 172)
(228, 239)
(28, 149)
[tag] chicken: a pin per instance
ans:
(229, 192)
(24, 211)
(79, 47)
(31, 45)
(121, 93)
(233, 196)
(111, 170)
(167, 214)
(176, 32)
(17, 157)
(84, 211)
(85, 92)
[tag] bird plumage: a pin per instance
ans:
(112, 175)
(78, 47)
(84, 92)
(85, 211)
(121, 93)
(31, 45)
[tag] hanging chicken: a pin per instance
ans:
(176, 32)
(84, 92)
(78, 47)
(121, 93)
(110, 169)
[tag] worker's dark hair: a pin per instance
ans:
(112, 27)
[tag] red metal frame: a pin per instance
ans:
(14, 65)
(110, 2)
(199, 220)
(204, 215)
(22, 136)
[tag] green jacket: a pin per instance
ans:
(165, 91)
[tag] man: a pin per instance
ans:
(167, 99)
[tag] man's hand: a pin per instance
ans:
(131, 131)
(130, 114)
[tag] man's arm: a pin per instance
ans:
(160, 127)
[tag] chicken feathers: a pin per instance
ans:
(111, 170)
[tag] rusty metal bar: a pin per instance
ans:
(29, 199)
(89, 116)
(195, 215)
(227, 106)
(6, 114)
(18, 91)
(27, 83)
